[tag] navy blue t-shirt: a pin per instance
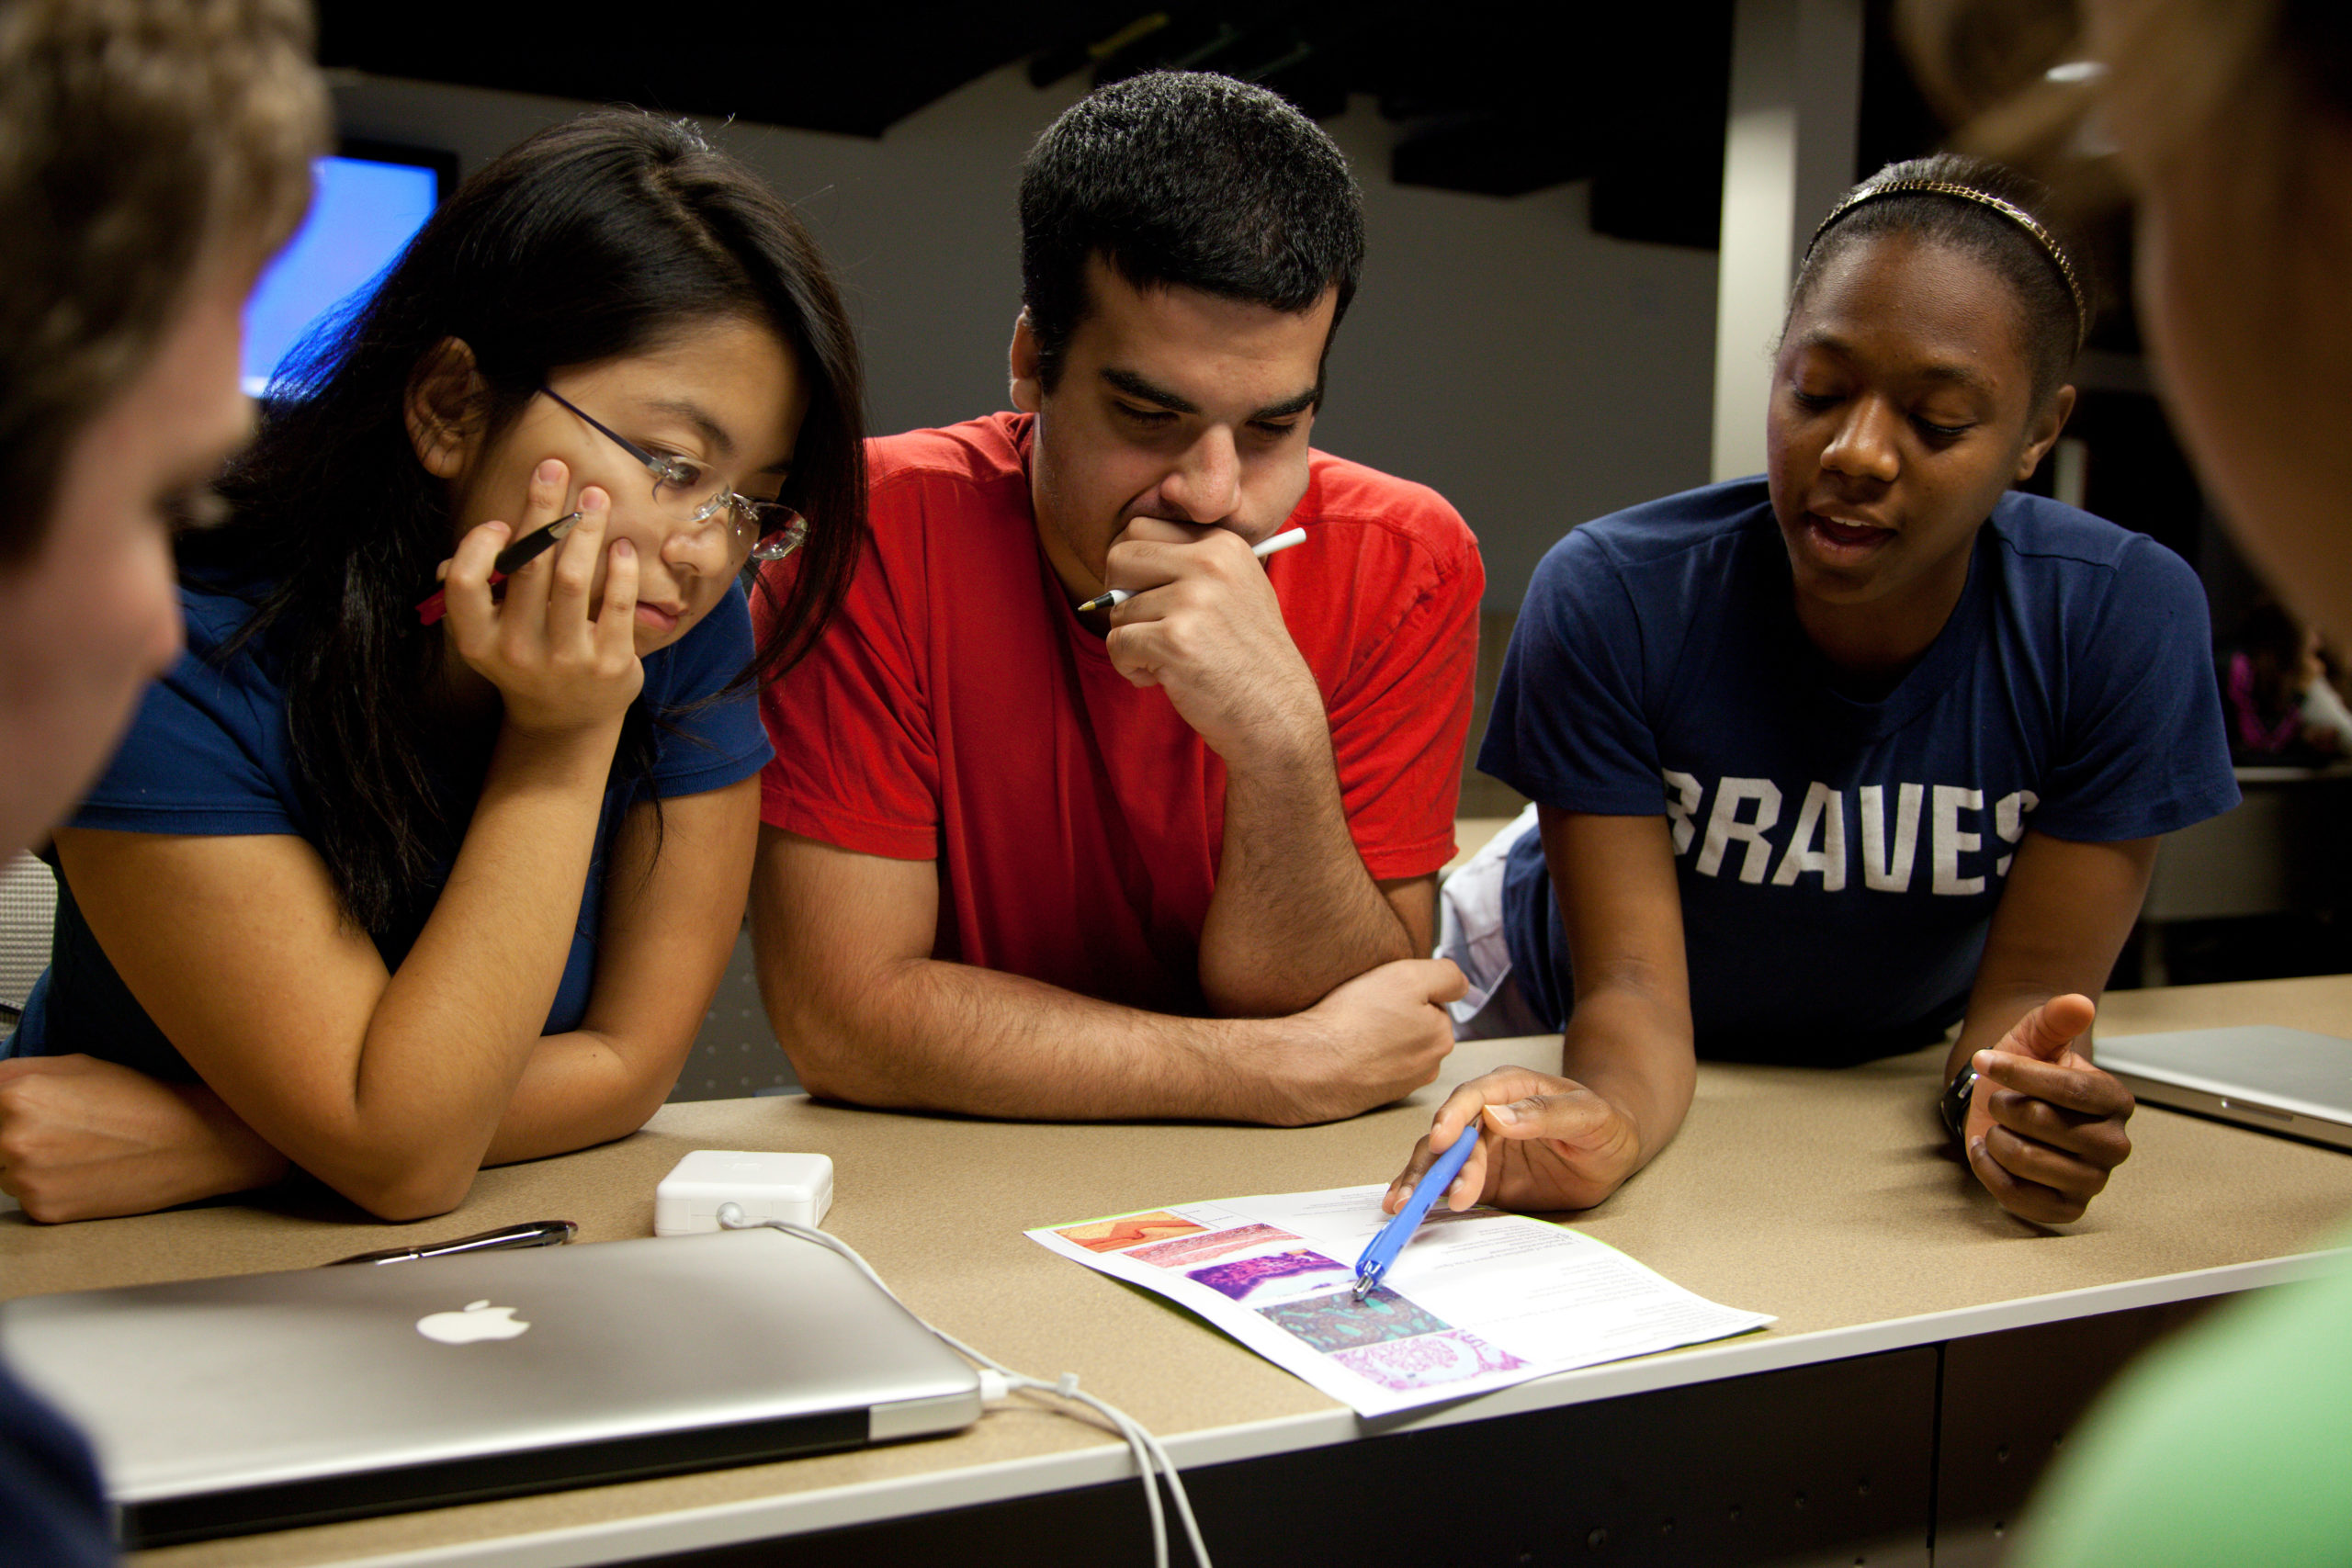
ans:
(1840, 861)
(209, 754)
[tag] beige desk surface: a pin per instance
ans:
(1822, 1197)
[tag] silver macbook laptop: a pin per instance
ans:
(225, 1405)
(2280, 1080)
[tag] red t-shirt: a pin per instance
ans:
(958, 711)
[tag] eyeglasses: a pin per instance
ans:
(689, 496)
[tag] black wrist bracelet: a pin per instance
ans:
(1956, 1097)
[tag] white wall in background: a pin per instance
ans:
(1796, 94)
(1535, 373)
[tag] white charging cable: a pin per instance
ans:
(999, 1382)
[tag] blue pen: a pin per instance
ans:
(1399, 1230)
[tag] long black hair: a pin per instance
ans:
(588, 242)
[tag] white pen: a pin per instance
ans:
(1262, 549)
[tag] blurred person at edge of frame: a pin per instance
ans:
(2231, 121)
(153, 156)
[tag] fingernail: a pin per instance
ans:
(1976, 1145)
(594, 499)
(624, 550)
(1982, 1061)
(549, 472)
(1507, 1115)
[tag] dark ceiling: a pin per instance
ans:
(1496, 97)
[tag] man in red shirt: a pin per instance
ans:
(1178, 857)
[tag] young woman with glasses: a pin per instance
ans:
(411, 865)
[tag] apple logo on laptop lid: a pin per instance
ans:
(478, 1321)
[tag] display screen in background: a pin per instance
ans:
(363, 214)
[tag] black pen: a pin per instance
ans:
(537, 1233)
(511, 559)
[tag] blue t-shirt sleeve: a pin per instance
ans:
(1570, 726)
(52, 1514)
(707, 740)
(2142, 749)
(206, 753)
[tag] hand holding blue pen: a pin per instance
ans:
(1374, 1265)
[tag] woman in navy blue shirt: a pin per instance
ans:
(390, 898)
(1831, 760)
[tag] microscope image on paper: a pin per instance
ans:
(1128, 1230)
(1427, 1361)
(1190, 1251)
(1341, 1322)
(1298, 1272)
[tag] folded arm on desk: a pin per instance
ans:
(844, 942)
(394, 1088)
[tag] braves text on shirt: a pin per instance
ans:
(1744, 813)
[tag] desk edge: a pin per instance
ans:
(936, 1491)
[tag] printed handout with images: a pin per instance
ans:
(1477, 1300)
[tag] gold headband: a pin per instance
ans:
(2007, 210)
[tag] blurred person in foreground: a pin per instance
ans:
(153, 156)
(2232, 121)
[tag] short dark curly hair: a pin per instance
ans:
(1184, 178)
(137, 137)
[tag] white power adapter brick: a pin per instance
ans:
(795, 1189)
